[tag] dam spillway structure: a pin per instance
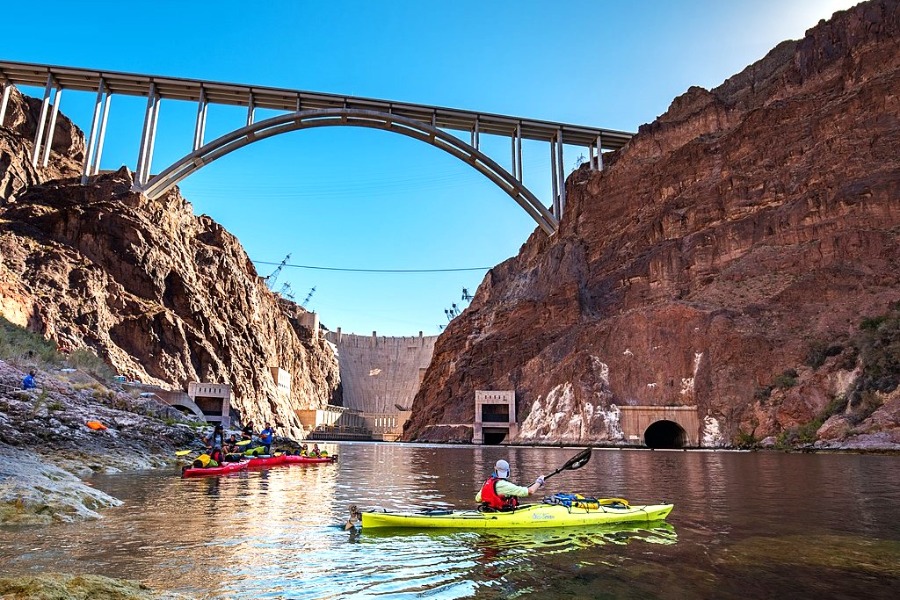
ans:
(380, 376)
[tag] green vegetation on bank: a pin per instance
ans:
(876, 349)
(19, 346)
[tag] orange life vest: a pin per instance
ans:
(490, 497)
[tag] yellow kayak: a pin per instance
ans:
(525, 517)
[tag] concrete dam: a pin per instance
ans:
(380, 377)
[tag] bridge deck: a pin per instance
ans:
(133, 84)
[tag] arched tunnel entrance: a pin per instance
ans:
(494, 437)
(665, 435)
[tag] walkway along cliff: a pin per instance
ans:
(162, 295)
(737, 260)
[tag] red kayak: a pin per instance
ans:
(223, 469)
(309, 460)
(265, 461)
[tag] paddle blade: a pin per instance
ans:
(243, 442)
(183, 452)
(579, 460)
(576, 462)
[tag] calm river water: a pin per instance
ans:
(745, 525)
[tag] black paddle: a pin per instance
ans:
(576, 462)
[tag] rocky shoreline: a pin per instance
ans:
(56, 586)
(46, 448)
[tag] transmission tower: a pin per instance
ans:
(452, 312)
(273, 276)
(466, 295)
(308, 296)
(286, 291)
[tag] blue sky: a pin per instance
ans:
(362, 199)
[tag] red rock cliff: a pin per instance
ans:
(164, 296)
(741, 229)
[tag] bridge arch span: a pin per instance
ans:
(307, 119)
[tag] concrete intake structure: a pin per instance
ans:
(380, 376)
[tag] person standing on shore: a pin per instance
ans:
(28, 383)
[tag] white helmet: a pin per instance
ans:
(502, 469)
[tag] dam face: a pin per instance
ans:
(380, 376)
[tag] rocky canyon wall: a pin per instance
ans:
(744, 228)
(164, 296)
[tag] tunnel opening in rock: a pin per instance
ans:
(494, 438)
(665, 435)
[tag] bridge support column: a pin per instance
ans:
(148, 136)
(51, 128)
(516, 140)
(200, 127)
(598, 165)
(102, 137)
(7, 88)
(554, 174)
(100, 108)
(562, 174)
(251, 109)
(39, 133)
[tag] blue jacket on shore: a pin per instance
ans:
(28, 383)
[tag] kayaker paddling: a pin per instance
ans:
(498, 493)
(560, 510)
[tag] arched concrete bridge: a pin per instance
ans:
(303, 110)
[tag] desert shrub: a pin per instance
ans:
(819, 351)
(862, 405)
(801, 435)
(18, 345)
(84, 359)
(815, 356)
(806, 434)
(872, 323)
(837, 405)
(788, 379)
(879, 352)
(762, 393)
(848, 361)
(745, 440)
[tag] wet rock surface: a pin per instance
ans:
(60, 586)
(46, 447)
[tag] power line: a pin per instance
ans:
(262, 262)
